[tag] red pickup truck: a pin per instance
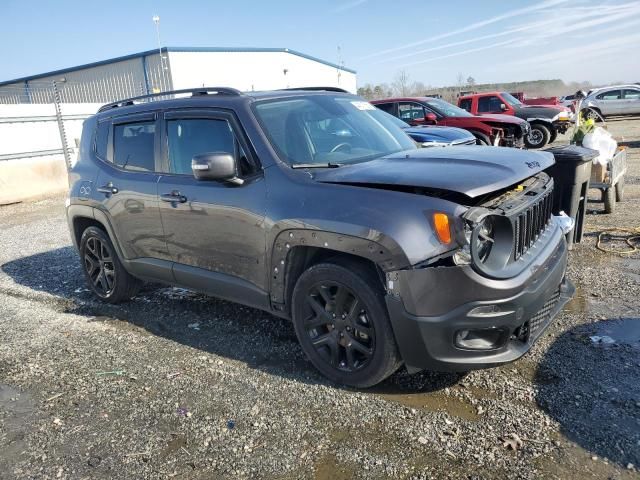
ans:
(546, 121)
(498, 130)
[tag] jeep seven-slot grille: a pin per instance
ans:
(531, 223)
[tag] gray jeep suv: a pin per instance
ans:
(313, 205)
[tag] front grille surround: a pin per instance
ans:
(523, 216)
(530, 224)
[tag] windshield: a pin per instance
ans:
(511, 100)
(323, 129)
(446, 109)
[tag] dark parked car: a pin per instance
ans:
(497, 130)
(312, 205)
(546, 120)
(436, 136)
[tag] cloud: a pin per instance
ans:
(474, 26)
(348, 5)
(457, 54)
(582, 54)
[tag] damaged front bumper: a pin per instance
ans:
(452, 318)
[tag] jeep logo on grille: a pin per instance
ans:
(533, 164)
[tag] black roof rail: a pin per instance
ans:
(318, 89)
(195, 92)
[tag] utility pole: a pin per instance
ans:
(63, 136)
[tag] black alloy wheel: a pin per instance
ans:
(105, 275)
(98, 264)
(341, 320)
(338, 326)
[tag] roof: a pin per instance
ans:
(175, 49)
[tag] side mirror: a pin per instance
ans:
(430, 118)
(219, 166)
(503, 107)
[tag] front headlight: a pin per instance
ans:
(463, 256)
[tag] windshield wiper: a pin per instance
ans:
(315, 165)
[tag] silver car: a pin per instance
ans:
(614, 100)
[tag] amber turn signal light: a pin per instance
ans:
(443, 229)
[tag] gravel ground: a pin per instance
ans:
(176, 384)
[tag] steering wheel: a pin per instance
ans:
(340, 146)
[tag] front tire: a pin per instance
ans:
(538, 137)
(105, 275)
(482, 140)
(342, 323)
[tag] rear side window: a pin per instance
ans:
(465, 104)
(133, 146)
(190, 137)
(386, 107)
(632, 94)
(102, 139)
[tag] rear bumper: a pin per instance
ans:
(561, 126)
(429, 308)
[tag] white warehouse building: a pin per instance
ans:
(175, 68)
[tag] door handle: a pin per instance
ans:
(108, 189)
(172, 197)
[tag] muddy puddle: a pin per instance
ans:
(435, 402)
(621, 331)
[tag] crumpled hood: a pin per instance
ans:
(438, 134)
(537, 112)
(467, 170)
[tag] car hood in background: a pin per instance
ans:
(438, 134)
(537, 112)
(468, 170)
(489, 117)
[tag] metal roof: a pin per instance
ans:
(173, 49)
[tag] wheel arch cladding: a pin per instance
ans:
(81, 223)
(288, 258)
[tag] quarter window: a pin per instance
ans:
(465, 104)
(133, 146)
(102, 139)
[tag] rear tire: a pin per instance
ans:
(341, 321)
(620, 190)
(105, 275)
(538, 137)
(592, 114)
(609, 200)
(554, 135)
(482, 140)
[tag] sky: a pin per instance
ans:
(432, 41)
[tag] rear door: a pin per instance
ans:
(214, 227)
(631, 97)
(127, 185)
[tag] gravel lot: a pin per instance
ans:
(176, 384)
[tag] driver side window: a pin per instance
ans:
(409, 111)
(489, 104)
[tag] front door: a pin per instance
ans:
(215, 227)
(611, 102)
(127, 185)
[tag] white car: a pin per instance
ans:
(613, 100)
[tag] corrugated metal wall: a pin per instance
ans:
(99, 84)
